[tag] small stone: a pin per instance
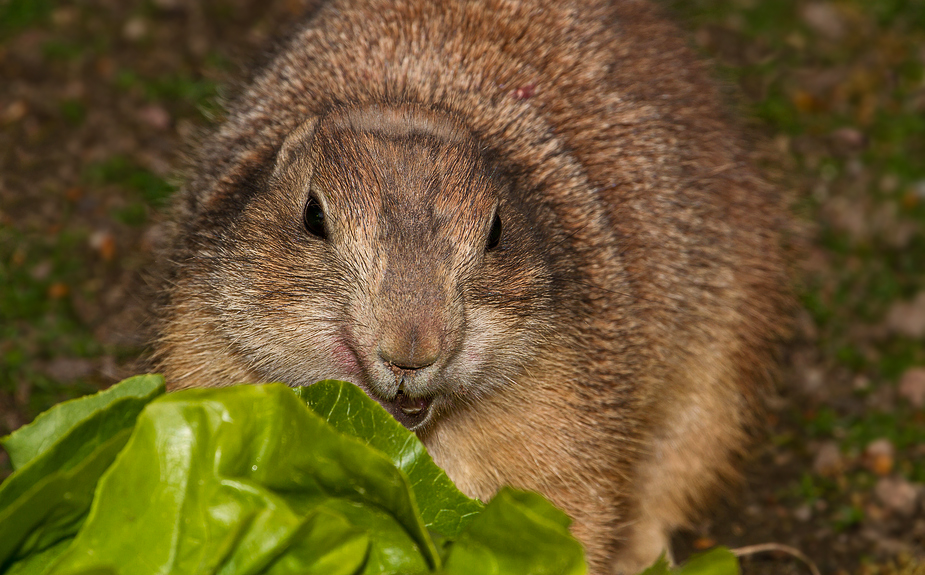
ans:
(813, 380)
(41, 270)
(861, 383)
(912, 386)
(14, 112)
(155, 116)
(823, 17)
(849, 138)
(135, 29)
(63, 17)
(803, 513)
(879, 456)
(829, 460)
(908, 317)
(882, 446)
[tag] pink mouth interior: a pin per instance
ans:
(409, 411)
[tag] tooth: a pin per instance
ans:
(411, 410)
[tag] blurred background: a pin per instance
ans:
(99, 99)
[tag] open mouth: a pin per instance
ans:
(412, 412)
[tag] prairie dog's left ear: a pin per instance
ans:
(294, 156)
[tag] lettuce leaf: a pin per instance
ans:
(443, 507)
(254, 480)
(59, 458)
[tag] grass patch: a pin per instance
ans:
(120, 170)
(37, 320)
(73, 111)
(17, 15)
(62, 50)
(196, 94)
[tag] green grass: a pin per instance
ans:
(146, 190)
(18, 15)
(37, 320)
(63, 50)
(122, 171)
(183, 91)
(73, 111)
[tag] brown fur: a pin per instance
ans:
(610, 350)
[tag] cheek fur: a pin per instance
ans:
(345, 358)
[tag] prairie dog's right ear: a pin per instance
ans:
(294, 156)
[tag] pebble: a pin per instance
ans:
(813, 380)
(850, 138)
(154, 116)
(14, 112)
(64, 17)
(829, 460)
(42, 270)
(912, 386)
(908, 317)
(823, 17)
(803, 513)
(896, 494)
(135, 29)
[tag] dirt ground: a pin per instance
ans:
(99, 99)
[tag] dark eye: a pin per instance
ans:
(494, 236)
(313, 218)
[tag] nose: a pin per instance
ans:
(409, 348)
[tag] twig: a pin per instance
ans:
(764, 547)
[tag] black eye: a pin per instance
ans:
(494, 236)
(313, 218)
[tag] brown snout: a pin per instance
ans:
(411, 345)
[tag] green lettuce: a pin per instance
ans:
(261, 479)
(58, 460)
(717, 561)
(254, 479)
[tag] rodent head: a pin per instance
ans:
(388, 251)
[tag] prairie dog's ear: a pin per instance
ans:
(294, 156)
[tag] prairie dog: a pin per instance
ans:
(524, 227)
